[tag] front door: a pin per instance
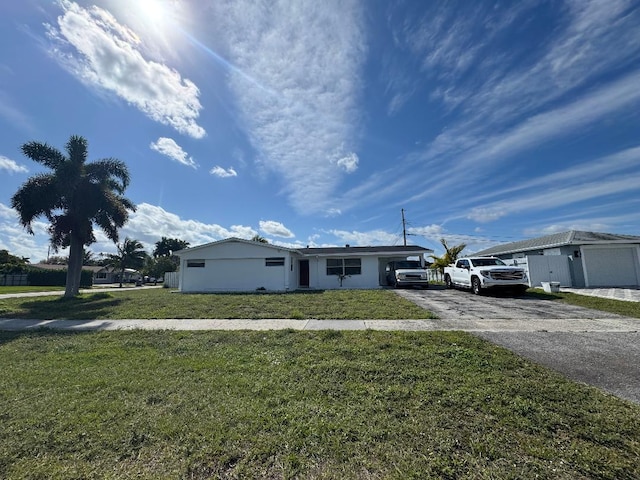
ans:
(304, 273)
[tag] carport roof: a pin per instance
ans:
(572, 237)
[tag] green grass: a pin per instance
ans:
(620, 307)
(163, 303)
(27, 289)
(284, 404)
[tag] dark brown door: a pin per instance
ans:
(304, 273)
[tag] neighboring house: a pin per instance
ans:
(576, 258)
(242, 265)
(104, 275)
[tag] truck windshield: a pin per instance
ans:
(408, 264)
(486, 262)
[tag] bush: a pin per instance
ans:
(56, 278)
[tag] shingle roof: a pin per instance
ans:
(572, 237)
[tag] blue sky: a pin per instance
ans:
(315, 123)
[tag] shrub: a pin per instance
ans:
(56, 278)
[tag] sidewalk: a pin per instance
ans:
(616, 324)
(116, 289)
(626, 294)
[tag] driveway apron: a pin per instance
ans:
(589, 346)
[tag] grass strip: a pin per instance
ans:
(28, 289)
(620, 307)
(284, 404)
(163, 303)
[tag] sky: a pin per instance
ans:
(317, 123)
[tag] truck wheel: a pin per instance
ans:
(448, 282)
(475, 286)
(520, 290)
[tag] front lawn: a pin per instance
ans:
(163, 303)
(283, 404)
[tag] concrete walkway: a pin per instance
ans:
(612, 324)
(626, 294)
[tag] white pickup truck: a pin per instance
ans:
(480, 273)
(407, 273)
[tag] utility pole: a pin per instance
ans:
(404, 229)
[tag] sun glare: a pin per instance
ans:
(155, 12)
(157, 22)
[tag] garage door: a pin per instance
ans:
(611, 267)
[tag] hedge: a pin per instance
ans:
(56, 278)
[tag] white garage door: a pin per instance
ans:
(611, 267)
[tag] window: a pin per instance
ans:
(344, 266)
(195, 263)
(101, 275)
(274, 262)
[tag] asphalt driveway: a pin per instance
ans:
(589, 346)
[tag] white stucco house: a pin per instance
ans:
(576, 258)
(237, 265)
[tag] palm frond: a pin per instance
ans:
(107, 170)
(43, 153)
(77, 149)
(39, 195)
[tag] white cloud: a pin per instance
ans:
(277, 229)
(104, 54)
(297, 80)
(218, 171)
(484, 215)
(556, 197)
(11, 166)
(363, 239)
(168, 147)
(150, 222)
(349, 162)
(17, 241)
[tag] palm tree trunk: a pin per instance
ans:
(121, 276)
(74, 269)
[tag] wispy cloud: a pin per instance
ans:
(11, 166)
(168, 147)
(304, 59)
(271, 227)
(557, 197)
(505, 100)
(104, 54)
(218, 171)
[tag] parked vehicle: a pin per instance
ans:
(407, 273)
(481, 273)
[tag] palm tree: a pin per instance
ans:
(450, 256)
(166, 246)
(259, 239)
(130, 254)
(74, 196)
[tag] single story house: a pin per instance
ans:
(105, 275)
(238, 265)
(576, 258)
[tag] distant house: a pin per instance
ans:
(235, 264)
(104, 275)
(576, 258)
